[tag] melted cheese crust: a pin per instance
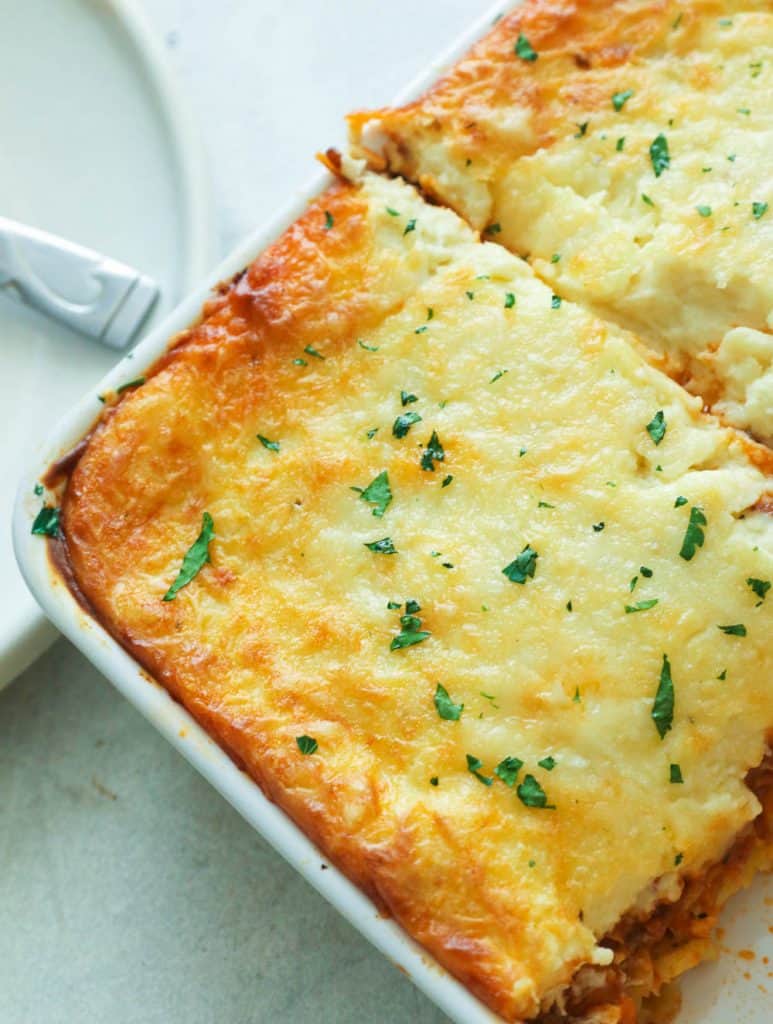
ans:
(286, 632)
(538, 148)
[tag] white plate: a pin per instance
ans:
(96, 146)
(715, 994)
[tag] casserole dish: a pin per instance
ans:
(440, 237)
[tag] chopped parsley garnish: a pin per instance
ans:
(497, 375)
(722, 675)
(300, 362)
(736, 630)
(410, 226)
(743, 110)
(694, 535)
(406, 398)
(598, 527)
(680, 856)
(37, 490)
(620, 144)
(632, 584)
(421, 330)
(507, 770)
(619, 99)
(474, 764)
(47, 522)
(446, 708)
(646, 199)
(310, 351)
(393, 605)
(382, 547)
(677, 21)
(675, 774)
(681, 500)
(307, 744)
(273, 446)
(370, 434)
(446, 480)
(522, 567)
(704, 211)
(493, 229)
(470, 295)
(368, 348)
(524, 49)
(555, 257)
(522, 452)
(548, 763)
(568, 606)
(544, 504)
(659, 155)
(391, 212)
(377, 493)
(434, 780)
(641, 606)
(759, 210)
(509, 300)
(196, 557)
(577, 699)
(430, 312)
(555, 301)
(404, 422)
(433, 453)
(410, 632)
(646, 573)
(581, 129)
(663, 707)
(136, 383)
(532, 794)
(656, 427)
(760, 587)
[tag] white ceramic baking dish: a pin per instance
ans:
(715, 996)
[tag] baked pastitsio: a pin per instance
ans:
(474, 593)
(626, 148)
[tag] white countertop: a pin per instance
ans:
(130, 892)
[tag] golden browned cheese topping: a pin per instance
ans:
(480, 597)
(626, 148)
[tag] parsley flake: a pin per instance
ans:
(497, 375)
(410, 226)
(598, 527)
(659, 155)
(196, 557)
(680, 856)
(675, 774)
(555, 257)
(681, 500)
(136, 383)
(555, 301)
(391, 212)
(434, 780)
(507, 770)
(663, 706)
(474, 764)
(370, 434)
(421, 330)
(446, 708)
(523, 567)
(524, 49)
(37, 489)
(382, 547)
(368, 348)
(407, 638)
(646, 199)
(656, 427)
(722, 675)
(620, 144)
(406, 398)
(694, 536)
(759, 210)
(646, 573)
(548, 763)
(404, 422)
(619, 99)
(492, 229)
(310, 351)
(46, 522)
(760, 587)
(273, 446)
(509, 300)
(433, 453)
(736, 630)
(641, 606)
(581, 130)
(377, 493)
(704, 211)
(328, 220)
(531, 794)
(307, 745)
(300, 362)
(632, 584)
(446, 480)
